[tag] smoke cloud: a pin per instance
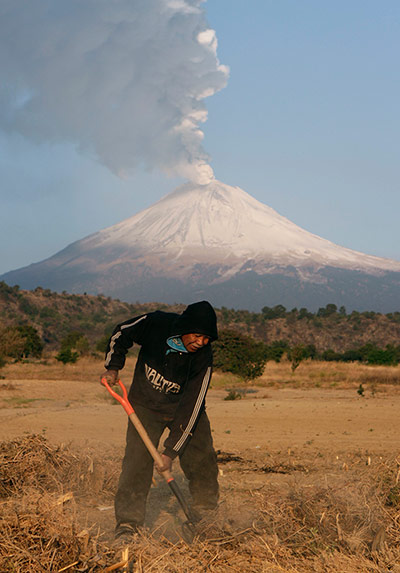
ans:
(124, 80)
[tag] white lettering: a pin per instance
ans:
(159, 382)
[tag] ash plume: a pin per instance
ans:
(124, 80)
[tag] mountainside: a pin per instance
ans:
(56, 315)
(217, 242)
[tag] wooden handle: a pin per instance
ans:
(141, 430)
(167, 475)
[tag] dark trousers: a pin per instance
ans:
(198, 462)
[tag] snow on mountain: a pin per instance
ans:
(220, 224)
(216, 242)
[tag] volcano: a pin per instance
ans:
(217, 242)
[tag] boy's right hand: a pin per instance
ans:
(111, 377)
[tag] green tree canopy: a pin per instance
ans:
(239, 354)
(278, 311)
(75, 340)
(20, 342)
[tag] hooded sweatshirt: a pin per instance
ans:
(172, 384)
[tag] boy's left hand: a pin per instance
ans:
(167, 464)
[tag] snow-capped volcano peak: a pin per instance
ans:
(221, 224)
(217, 242)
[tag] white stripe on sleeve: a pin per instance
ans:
(195, 412)
(117, 335)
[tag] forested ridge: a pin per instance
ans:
(56, 316)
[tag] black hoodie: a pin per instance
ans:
(173, 384)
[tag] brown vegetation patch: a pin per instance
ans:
(337, 521)
(39, 529)
(381, 376)
(38, 533)
(30, 462)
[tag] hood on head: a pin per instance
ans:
(199, 318)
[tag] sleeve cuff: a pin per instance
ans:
(170, 453)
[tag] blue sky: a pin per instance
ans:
(308, 123)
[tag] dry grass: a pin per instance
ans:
(315, 374)
(316, 514)
(86, 368)
(319, 519)
(31, 462)
(380, 375)
(40, 488)
(310, 374)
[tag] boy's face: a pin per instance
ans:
(194, 341)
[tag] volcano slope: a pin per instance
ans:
(217, 242)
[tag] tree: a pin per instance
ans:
(384, 357)
(297, 354)
(276, 350)
(101, 344)
(240, 354)
(330, 355)
(304, 313)
(20, 342)
(11, 342)
(82, 346)
(67, 355)
(328, 310)
(33, 345)
(310, 351)
(277, 311)
(75, 341)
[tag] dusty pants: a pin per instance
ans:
(198, 462)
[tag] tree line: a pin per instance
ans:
(70, 326)
(246, 357)
(234, 352)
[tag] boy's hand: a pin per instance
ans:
(111, 377)
(167, 464)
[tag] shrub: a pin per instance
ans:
(310, 351)
(76, 341)
(378, 356)
(369, 353)
(277, 311)
(297, 354)
(328, 310)
(48, 312)
(20, 342)
(33, 345)
(67, 355)
(27, 308)
(330, 355)
(276, 350)
(101, 344)
(304, 313)
(351, 356)
(240, 354)
(82, 346)
(11, 342)
(233, 395)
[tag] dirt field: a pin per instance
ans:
(307, 441)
